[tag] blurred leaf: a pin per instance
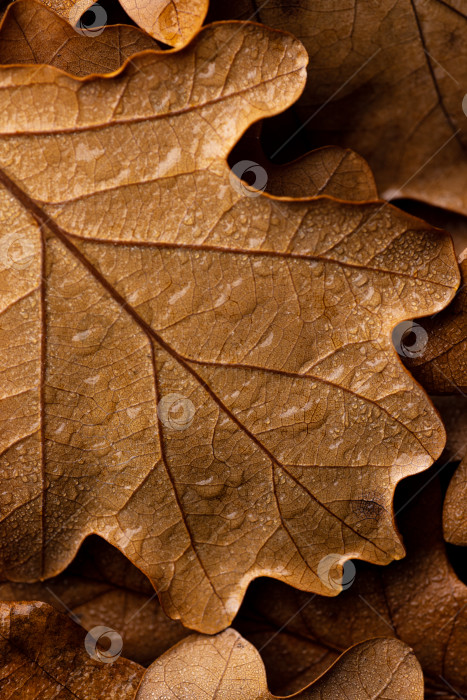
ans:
(419, 600)
(453, 410)
(387, 79)
(43, 655)
(101, 587)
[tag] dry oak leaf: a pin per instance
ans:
(137, 274)
(227, 667)
(387, 79)
(337, 172)
(419, 600)
(31, 33)
(101, 587)
(439, 359)
(455, 507)
(43, 655)
(174, 22)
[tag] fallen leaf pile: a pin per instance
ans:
(206, 351)
(418, 600)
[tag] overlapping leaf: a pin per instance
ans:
(337, 172)
(140, 278)
(43, 655)
(420, 600)
(173, 22)
(31, 33)
(102, 588)
(453, 410)
(387, 79)
(226, 666)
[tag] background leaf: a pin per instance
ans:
(385, 79)
(101, 587)
(337, 172)
(441, 367)
(204, 668)
(42, 654)
(419, 600)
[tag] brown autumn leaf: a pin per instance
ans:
(32, 33)
(174, 22)
(337, 172)
(386, 79)
(227, 666)
(43, 655)
(419, 600)
(101, 587)
(139, 273)
(455, 506)
(437, 349)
